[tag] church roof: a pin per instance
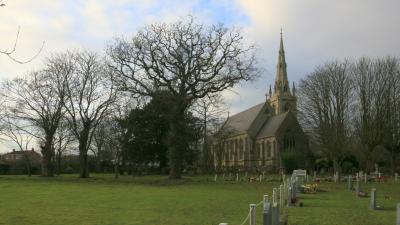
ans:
(242, 121)
(272, 125)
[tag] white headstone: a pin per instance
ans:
(372, 205)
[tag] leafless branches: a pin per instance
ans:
(188, 60)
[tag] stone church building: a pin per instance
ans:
(257, 137)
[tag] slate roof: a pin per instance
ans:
(272, 125)
(241, 122)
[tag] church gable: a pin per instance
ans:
(240, 123)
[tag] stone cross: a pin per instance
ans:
(252, 219)
(372, 205)
(349, 184)
(267, 215)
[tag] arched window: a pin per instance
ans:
(268, 149)
(241, 151)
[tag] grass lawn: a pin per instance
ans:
(193, 200)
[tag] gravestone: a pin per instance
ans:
(267, 215)
(237, 177)
(358, 187)
(365, 178)
(372, 205)
(223, 224)
(396, 175)
(215, 177)
(260, 178)
(349, 183)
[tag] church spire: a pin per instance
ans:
(281, 81)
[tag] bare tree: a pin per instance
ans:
(90, 93)
(325, 99)
(377, 84)
(189, 60)
(62, 139)
(209, 110)
(15, 133)
(38, 100)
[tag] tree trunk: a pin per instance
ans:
(176, 143)
(83, 159)
(47, 159)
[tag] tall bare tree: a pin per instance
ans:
(38, 100)
(209, 110)
(189, 60)
(377, 84)
(325, 99)
(90, 93)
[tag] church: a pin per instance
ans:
(256, 138)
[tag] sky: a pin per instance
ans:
(314, 31)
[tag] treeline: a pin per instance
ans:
(146, 102)
(351, 109)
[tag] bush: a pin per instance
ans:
(292, 161)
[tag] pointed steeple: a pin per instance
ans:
(281, 80)
(294, 90)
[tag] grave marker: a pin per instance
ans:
(365, 178)
(396, 175)
(372, 205)
(237, 177)
(215, 177)
(274, 196)
(289, 197)
(349, 183)
(358, 188)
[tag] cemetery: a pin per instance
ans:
(231, 199)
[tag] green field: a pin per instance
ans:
(193, 200)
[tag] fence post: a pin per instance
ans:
(275, 214)
(372, 205)
(289, 196)
(252, 218)
(267, 217)
(398, 214)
